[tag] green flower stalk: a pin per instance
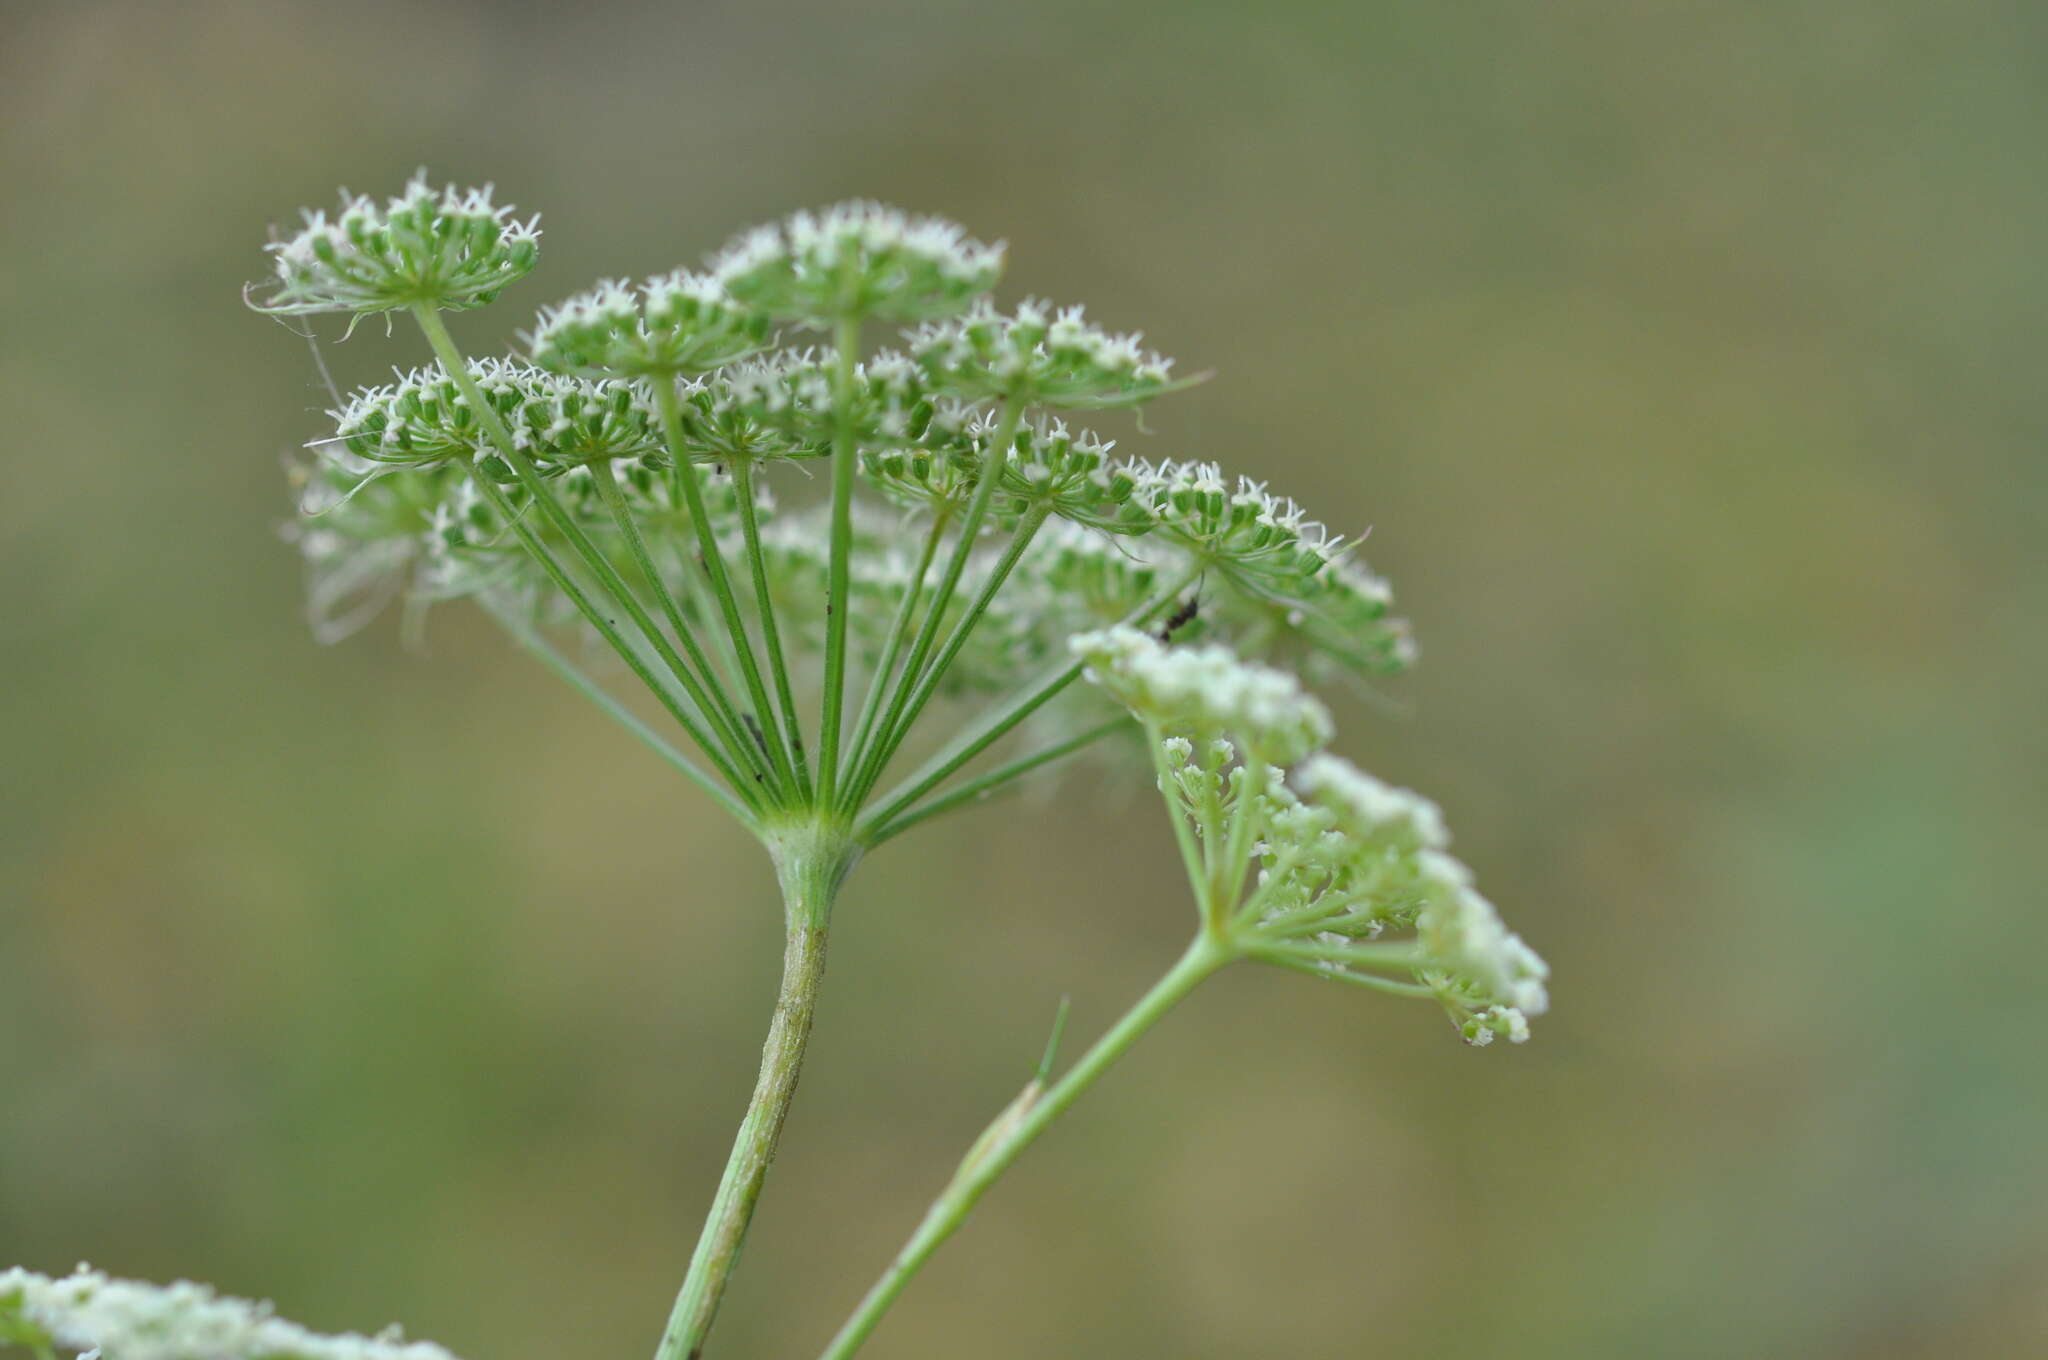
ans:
(895, 643)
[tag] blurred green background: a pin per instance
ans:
(1685, 358)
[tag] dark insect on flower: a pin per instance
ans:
(1181, 617)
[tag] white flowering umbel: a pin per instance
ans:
(1320, 867)
(679, 323)
(858, 259)
(858, 578)
(1057, 359)
(88, 1314)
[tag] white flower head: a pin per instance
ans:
(1464, 936)
(1062, 362)
(452, 248)
(674, 324)
(1291, 581)
(858, 259)
(425, 418)
(1207, 691)
(1480, 1028)
(1369, 809)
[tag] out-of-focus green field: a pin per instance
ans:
(1686, 360)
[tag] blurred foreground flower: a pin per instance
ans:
(89, 1314)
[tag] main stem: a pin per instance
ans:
(1013, 1131)
(810, 861)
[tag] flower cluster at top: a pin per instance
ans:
(969, 544)
(91, 1315)
(1299, 858)
(641, 388)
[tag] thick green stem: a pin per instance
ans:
(1013, 1131)
(811, 862)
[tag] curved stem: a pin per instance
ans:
(1369, 981)
(1013, 1131)
(811, 861)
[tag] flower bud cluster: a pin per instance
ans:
(1295, 588)
(936, 476)
(858, 260)
(452, 248)
(1266, 540)
(676, 324)
(1341, 859)
(128, 1320)
(1207, 691)
(1486, 964)
(1039, 359)
(1260, 573)
(424, 418)
(1369, 810)
(783, 406)
(1069, 475)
